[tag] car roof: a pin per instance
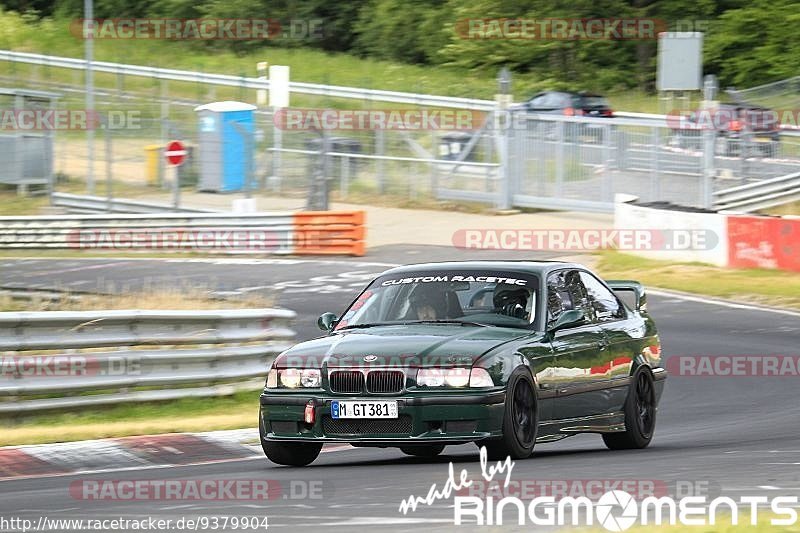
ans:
(524, 266)
(580, 94)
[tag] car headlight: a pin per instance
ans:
(292, 378)
(479, 377)
(454, 377)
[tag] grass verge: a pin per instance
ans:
(766, 287)
(792, 208)
(314, 66)
(186, 415)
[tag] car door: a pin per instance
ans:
(579, 352)
(624, 332)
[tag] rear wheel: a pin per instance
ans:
(520, 420)
(423, 450)
(288, 453)
(640, 416)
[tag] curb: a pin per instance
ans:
(128, 453)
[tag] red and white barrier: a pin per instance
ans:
(732, 240)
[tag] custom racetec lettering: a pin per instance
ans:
(456, 278)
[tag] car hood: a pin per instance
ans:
(417, 345)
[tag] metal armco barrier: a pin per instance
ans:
(78, 203)
(305, 233)
(174, 354)
(760, 194)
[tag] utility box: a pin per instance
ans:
(225, 146)
(26, 149)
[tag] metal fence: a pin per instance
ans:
(60, 359)
(580, 163)
(509, 159)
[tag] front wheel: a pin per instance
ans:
(422, 450)
(640, 416)
(520, 420)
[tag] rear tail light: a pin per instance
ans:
(569, 111)
(736, 125)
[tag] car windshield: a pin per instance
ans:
(471, 297)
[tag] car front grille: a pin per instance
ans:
(347, 381)
(376, 381)
(367, 426)
(385, 381)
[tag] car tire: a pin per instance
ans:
(640, 415)
(520, 420)
(288, 453)
(423, 450)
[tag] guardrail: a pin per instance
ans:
(78, 203)
(759, 195)
(337, 91)
(302, 233)
(249, 83)
(46, 362)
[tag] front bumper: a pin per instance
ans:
(429, 418)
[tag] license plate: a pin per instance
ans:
(763, 139)
(364, 409)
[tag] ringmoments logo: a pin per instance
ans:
(614, 510)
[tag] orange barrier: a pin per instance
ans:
(329, 233)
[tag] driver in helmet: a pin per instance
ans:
(510, 300)
(424, 305)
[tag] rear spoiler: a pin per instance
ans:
(628, 286)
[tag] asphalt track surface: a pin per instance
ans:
(722, 435)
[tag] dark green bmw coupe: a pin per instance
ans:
(503, 353)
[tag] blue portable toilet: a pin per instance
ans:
(225, 145)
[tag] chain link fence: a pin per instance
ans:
(504, 159)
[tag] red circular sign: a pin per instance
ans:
(175, 153)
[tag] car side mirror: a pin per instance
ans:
(326, 321)
(568, 319)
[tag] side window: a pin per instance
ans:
(553, 101)
(562, 294)
(537, 101)
(605, 304)
(580, 298)
(559, 297)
